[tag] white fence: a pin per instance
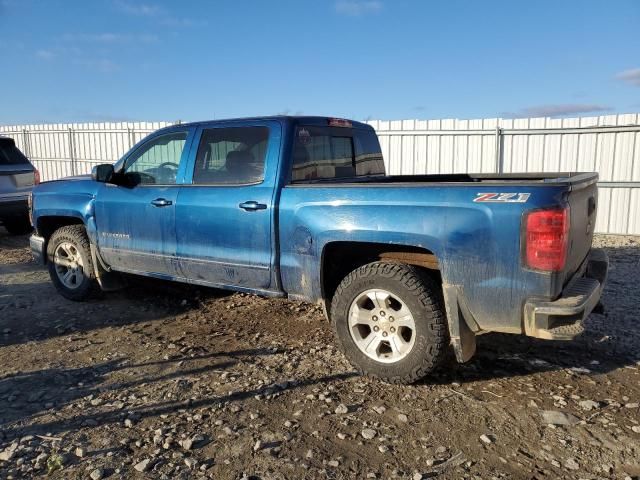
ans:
(607, 144)
(61, 150)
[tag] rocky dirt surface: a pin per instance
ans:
(168, 381)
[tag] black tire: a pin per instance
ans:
(18, 225)
(422, 296)
(76, 235)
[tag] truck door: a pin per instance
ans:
(225, 209)
(136, 219)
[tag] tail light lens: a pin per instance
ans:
(30, 207)
(36, 176)
(546, 239)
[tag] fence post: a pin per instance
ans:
(25, 143)
(130, 137)
(72, 154)
(499, 159)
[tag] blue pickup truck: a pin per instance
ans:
(405, 267)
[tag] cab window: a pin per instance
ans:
(231, 156)
(157, 161)
(333, 152)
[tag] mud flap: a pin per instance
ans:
(462, 336)
(326, 308)
(108, 280)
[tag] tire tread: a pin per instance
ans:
(78, 235)
(422, 287)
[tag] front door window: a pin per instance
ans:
(157, 161)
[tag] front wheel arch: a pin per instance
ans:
(46, 225)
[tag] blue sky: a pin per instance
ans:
(112, 60)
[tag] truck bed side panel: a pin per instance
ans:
(477, 244)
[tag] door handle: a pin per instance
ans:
(252, 205)
(161, 202)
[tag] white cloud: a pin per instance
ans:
(110, 38)
(177, 22)
(141, 9)
(631, 77)
(46, 54)
(162, 15)
(558, 110)
(103, 65)
(78, 57)
(356, 8)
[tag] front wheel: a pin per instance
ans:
(70, 266)
(389, 321)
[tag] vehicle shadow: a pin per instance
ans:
(31, 309)
(12, 242)
(611, 340)
(32, 392)
(27, 396)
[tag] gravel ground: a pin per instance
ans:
(169, 381)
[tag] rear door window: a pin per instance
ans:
(334, 152)
(9, 153)
(231, 156)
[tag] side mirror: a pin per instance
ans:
(102, 173)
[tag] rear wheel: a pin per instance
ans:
(70, 266)
(18, 225)
(390, 322)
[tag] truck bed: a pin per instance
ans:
(555, 179)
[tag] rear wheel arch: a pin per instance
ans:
(338, 259)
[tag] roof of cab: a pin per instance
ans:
(305, 120)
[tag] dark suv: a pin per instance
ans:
(17, 178)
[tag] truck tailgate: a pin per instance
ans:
(583, 200)
(16, 173)
(15, 181)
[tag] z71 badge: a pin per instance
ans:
(502, 197)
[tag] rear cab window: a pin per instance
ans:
(325, 153)
(10, 154)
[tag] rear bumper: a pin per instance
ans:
(13, 207)
(561, 319)
(37, 245)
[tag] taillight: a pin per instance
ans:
(30, 207)
(36, 177)
(546, 239)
